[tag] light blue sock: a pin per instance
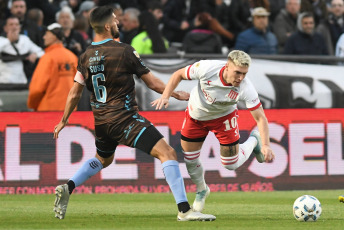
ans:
(175, 180)
(88, 169)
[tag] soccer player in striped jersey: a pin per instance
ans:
(213, 107)
(106, 68)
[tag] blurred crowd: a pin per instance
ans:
(305, 27)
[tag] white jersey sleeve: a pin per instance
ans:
(197, 70)
(249, 95)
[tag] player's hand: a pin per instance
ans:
(58, 128)
(268, 153)
(159, 103)
(182, 95)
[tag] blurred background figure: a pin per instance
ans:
(54, 75)
(130, 25)
(285, 22)
(340, 47)
(258, 39)
(73, 40)
(179, 16)
(202, 39)
(28, 28)
(149, 39)
(317, 7)
(305, 41)
(333, 26)
(15, 49)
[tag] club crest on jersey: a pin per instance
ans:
(232, 95)
(96, 53)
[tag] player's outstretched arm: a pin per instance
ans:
(169, 90)
(263, 127)
(72, 101)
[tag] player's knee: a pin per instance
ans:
(105, 161)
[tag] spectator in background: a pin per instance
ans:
(47, 7)
(118, 11)
(16, 48)
(130, 25)
(178, 18)
(285, 22)
(81, 25)
(238, 16)
(155, 7)
(333, 27)
(4, 11)
(258, 39)
(28, 28)
(317, 7)
(54, 75)
(275, 7)
(202, 39)
(305, 41)
(85, 8)
(340, 47)
(149, 40)
(73, 40)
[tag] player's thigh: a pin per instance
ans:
(106, 146)
(151, 141)
(163, 151)
(189, 146)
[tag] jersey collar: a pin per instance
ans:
(101, 42)
(221, 77)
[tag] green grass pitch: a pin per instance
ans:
(234, 210)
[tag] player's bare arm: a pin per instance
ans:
(263, 128)
(172, 84)
(72, 101)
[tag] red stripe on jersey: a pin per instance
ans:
(256, 107)
(188, 73)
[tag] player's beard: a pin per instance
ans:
(114, 33)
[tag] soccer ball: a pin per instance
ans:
(307, 208)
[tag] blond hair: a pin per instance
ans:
(239, 58)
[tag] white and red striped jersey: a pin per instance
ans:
(213, 97)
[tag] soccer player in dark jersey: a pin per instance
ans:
(106, 69)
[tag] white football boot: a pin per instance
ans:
(199, 202)
(191, 215)
(61, 201)
(259, 155)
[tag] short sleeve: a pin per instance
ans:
(134, 63)
(196, 70)
(250, 96)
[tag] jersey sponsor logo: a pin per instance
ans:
(208, 97)
(255, 100)
(232, 95)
